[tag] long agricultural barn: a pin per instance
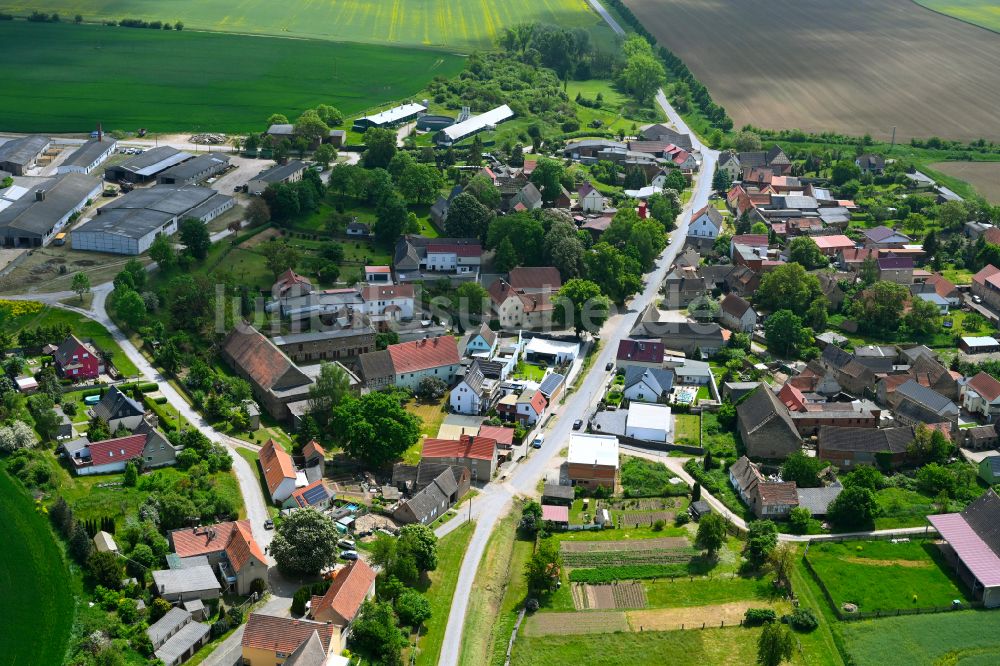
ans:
(41, 211)
(89, 156)
(279, 173)
(194, 171)
(131, 224)
(474, 125)
(18, 155)
(394, 116)
(147, 166)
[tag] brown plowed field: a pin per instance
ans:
(562, 624)
(984, 176)
(637, 544)
(850, 66)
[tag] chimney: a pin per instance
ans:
(100, 132)
(39, 195)
(642, 210)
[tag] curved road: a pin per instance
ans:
(495, 501)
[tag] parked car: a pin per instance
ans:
(268, 524)
(349, 555)
(577, 424)
(346, 544)
(947, 323)
(977, 299)
(610, 366)
(537, 442)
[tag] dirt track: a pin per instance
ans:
(851, 66)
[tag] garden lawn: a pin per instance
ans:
(902, 508)
(685, 592)
(451, 549)
(924, 640)
(57, 77)
(82, 327)
(529, 371)
(686, 429)
(36, 603)
(431, 416)
(883, 576)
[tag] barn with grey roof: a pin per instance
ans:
(19, 155)
(33, 219)
(147, 166)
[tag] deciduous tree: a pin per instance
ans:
(305, 543)
(581, 304)
(374, 427)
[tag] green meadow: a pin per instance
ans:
(67, 78)
(984, 13)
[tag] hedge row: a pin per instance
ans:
(631, 572)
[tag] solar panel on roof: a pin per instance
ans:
(315, 495)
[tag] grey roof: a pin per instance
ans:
(310, 653)
(667, 135)
(143, 211)
(701, 507)
(761, 407)
(530, 194)
(376, 364)
(280, 172)
(927, 397)
(550, 383)
(985, 432)
(818, 500)
(474, 378)
(117, 405)
(330, 334)
(88, 153)
(664, 379)
(63, 194)
(281, 129)
(166, 625)
(983, 516)
(181, 581)
(192, 168)
(178, 645)
(563, 492)
(433, 495)
(891, 440)
(836, 357)
(23, 151)
(153, 161)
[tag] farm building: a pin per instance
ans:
(556, 514)
(979, 344)
(474, 125)
(765, 426)
(197, 582)
(342, 344)
(40, 212)
(974, 545)
(279, 173)
(391, 117)
(19, 155)
(849, 447)
(175, 637)
(989, 469)
(477, 454)
(89, 156)
(592, 460)
(147, 166)
(130, 224)
(553, 493)
(194, 171)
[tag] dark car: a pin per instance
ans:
(610, 366)
(268, 524)
(947, 323)
(577, 424)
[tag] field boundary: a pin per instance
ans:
(957, 18)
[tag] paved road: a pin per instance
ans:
(495, 500)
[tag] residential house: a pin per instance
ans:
(535, 279)
(981, 396)
(986, 285)
(639, 353)
(729, 162)
(477, 454)
(690, 338)
(388, 302)
(350, 587)
(853, 259)
(275, 380)
(376, 369)
(737, 314)
(269, 640)
(78, 360)
(981, 438)
(229, 547)
(291, 285)
(482, 342)
(742, 281)
(430, 501)
(895, 269)
(175, 637)
(768, 500)
(943, 288)
(516, 309)
(706, 223)
(592, 460)
(989, 469)
(871, 164)
(847, 448)
(688, 371)
(317, 495)
(853, 376)
(529, 407)
(118, 411)
(147, 449)
(643, 384)
(664, 134)
(974, 545)
(474, 394)
(884, 238)
(528, 198)
(832, 246)
(589, 199)
(419, 258)
(683, 286)
(765, 426)
(648, 422)
(415, 360)
(279, 173)
(918, 404)
(278, 469)
(194, 582)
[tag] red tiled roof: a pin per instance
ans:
(641, 351)
(942, 286)
(313, 448)
(734, 305)
(299, 494)
(778, 493)
(792, 398)
(853, 255)
(467, 446)
(347, 591)
(374, 292)
(288, 279)
(242, 546)
(753, 240)
(460, 249)
(986, 386)
(501, 434)
(114, 450)
(555, 513)
(202, 540)
(992, 235)
(377, 269)
(535, 277)
(987, 273)
(258, 357)
(423, 354)
(276, 463)
(833, 242)
(283, 634)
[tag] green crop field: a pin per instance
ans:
(984, 13)
(36, 603)
(460, 24)
(966, 638)
(67, 78)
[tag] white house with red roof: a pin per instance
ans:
(518, 309)
(278, 469)
(388, 301)
(642, 353)
(706, 223)
(981, 395)
(530, 406)
(148, 449)
(589, 199)
(432, 357)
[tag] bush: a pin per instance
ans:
(659, 525)
(803, 619)
(682, 518)
(754, 617)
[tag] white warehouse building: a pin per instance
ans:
(131, 224)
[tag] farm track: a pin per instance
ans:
(853, 66)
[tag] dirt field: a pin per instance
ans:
(638, 544)
(852, 66)
(645, 518)
(563, 624)
(984, 176)
(666, 619)
(607, 597)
